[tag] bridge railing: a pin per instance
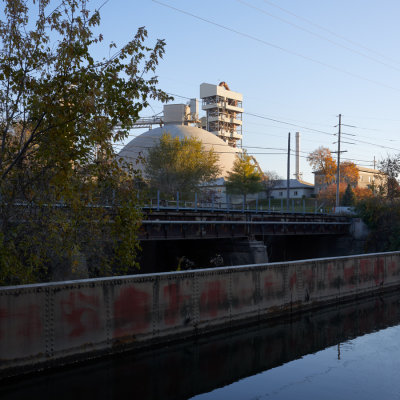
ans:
(302, 205)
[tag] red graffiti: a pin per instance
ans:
(293, 281)
(364, 268)
(26, 322)
(175, 302)
(308, 275)
(348, 274)
(80, 312)
(330, 273)
(212, 298)
(132, 312)
(268, 283)
(392, 268)
(379, 269)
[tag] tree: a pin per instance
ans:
(321, 161)
(328, 194)
(59, 107)
(180, 165)
(269, 181)
(245, 177)
(390, 168)
(383, 221)
(363, 193)
(348, 198)
(349, 173)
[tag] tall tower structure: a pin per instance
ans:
(224, 112)
(298, 174)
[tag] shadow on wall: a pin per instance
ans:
(172, 255)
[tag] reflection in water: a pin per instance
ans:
(214, 367)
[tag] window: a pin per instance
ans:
(281, 194)
(295, 193)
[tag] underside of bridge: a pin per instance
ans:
(172, 255)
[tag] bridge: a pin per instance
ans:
(171, 223)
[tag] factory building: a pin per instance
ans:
(224, 112)
(220, 129)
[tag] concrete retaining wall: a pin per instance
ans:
(47, 324)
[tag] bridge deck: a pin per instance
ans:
(190, 224)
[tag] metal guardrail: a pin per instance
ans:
(294, 207)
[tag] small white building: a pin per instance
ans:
(297, 189)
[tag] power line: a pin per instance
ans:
(329, 31)
(269, 44)
(301, 126)
(224, 145)
(317, 35)
(288, 123)
(294, 125)
(104, 3)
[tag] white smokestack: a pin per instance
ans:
(297, 174)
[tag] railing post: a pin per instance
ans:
(158, 200)
(177, 201)
(212, 202)
(304, 206)
(269, 204)
(257, 203)
(243, 205)
(315, 206)
(292, 205)
(282, 204)
(195, 201)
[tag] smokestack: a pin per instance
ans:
(297, 174)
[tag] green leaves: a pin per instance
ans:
(59, 109)
(245, 177)
(180, 165)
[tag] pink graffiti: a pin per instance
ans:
(132, 312)
(25, 320)
(293, 280)
(80, 312)
(212, 298)
(176, 300)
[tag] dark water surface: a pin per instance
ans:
(349, 351)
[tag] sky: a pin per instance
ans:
(297, 63)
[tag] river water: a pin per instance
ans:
(349, 351)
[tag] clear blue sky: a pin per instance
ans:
(277, 83)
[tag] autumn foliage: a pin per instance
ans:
(321, 161)
(328, 195)
(65, 199)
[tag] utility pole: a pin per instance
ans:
(338, 163)
(373, 179)
(288, 175)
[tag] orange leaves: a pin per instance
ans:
(321, 160)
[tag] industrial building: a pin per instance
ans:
(224, 112)
(220, 130)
